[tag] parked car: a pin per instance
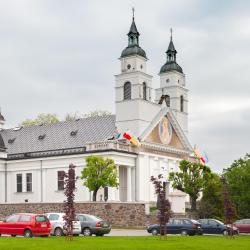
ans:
(243, 225)
(58, 224)
(213, 226)
(178, 226)
(25, 224)
(91, 224)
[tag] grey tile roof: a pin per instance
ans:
(58, 136)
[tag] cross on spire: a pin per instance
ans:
(171, 34)
(133, 12)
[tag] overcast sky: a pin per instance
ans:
(61, 56)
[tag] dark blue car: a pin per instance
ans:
(213, 226)
(178, 226)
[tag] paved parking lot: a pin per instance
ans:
(128, 232)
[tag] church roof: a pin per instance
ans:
(133, 29)
(133, 47)
(134, 50)
(62, 135)
(171, 46)
(171, 66)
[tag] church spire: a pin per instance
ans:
(171, 64)
(171, 52)
(133, 47)
(133, 34)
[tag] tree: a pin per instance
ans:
(228, 205)
(239, 190)
(211, 203)
(49, 118)
(99, 172)
(72, 116)
(191, 179)
(97, 113)
(41, 119)
(69, 204)
(163, 204)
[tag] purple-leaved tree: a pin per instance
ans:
(163, 204)
(228, 206)
(68, 206)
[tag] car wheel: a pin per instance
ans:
(225, 232)
(154, 232)
(86, 232)
(58, 232)
(236, 232)
(184, 232)
(27, 233)
(13, 235)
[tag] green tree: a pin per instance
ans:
(41, 119)
(99, 172)
(72, 116)
(97, 113)
(238, 178)
(211, 203)
(191, 179)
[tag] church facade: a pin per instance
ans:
(32, 158)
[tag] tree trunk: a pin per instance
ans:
(193, 204)
(94, 194)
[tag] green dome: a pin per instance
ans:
(171, 66)
(133, 50)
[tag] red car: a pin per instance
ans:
(243, 225)
(26, 224)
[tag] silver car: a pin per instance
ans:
(58, 224)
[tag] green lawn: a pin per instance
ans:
(116, 243)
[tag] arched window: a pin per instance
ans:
(144, 91)
(167, 100)
(127, 91)
(182, 103)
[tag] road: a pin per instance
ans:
(128, 232)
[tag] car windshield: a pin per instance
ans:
(219, 222)
(53, 217)
(41, 218)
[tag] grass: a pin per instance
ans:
(135, 243)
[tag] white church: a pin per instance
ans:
(32, 158)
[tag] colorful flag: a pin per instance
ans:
(117, 136)
(132, 139)
(127, 136)
(198, 155)
(205, 156)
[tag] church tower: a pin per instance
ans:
(135, 107)
(172, 91)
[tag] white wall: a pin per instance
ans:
(2, 181)
(135, 115)
(173, 84)
(49, 167)
(152, 165)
